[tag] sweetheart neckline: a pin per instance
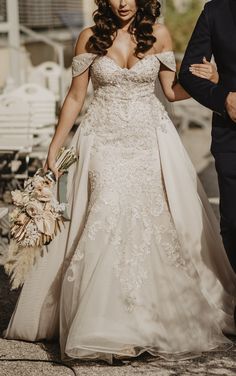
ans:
(117, 65)
(125, 68)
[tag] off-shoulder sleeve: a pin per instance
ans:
(82, 62)
(167, 58)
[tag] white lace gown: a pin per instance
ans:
(141, 266)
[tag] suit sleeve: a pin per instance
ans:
(205, 92)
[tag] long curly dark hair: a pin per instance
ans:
(107, 25)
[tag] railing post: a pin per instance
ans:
(60, 52)
(14, 39)
(88, 8)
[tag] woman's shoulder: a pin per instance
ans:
(163, 37)
(160, 30)
(81, 45)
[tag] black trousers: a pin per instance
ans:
(226, 170)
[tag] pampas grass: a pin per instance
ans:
(19, 262)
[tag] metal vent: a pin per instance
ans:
(3, 12)
(47, 13)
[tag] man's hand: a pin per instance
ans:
(231, 105)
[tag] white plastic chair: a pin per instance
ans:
(27, 121)
(27, 118)
(42, 104)
(15, 124)
(48, 75)
(189, 111)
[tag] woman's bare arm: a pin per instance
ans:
(72, 105)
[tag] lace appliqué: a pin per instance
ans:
(168, 59)
(128, 203)
(82, 62)
(77, 257)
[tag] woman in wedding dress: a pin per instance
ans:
(140, 266)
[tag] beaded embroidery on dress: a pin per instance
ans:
(141, 266)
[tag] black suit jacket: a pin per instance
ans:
(214, 34)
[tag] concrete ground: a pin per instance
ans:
(221, 363)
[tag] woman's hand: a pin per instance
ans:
(207, 70)
(50, 164)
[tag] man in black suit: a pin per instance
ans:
(215, 34)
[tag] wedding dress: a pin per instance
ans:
(140, 266)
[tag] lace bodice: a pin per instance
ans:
(111, 80)
(124, 99)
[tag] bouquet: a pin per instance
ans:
(36, 219)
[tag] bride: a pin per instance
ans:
(140, 266)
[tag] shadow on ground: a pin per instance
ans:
(221, 363)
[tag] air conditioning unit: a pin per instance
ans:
(50, 13)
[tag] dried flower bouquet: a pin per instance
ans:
(36, 219)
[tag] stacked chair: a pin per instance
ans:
(190, 112)
(27, 123)
(48, 75)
